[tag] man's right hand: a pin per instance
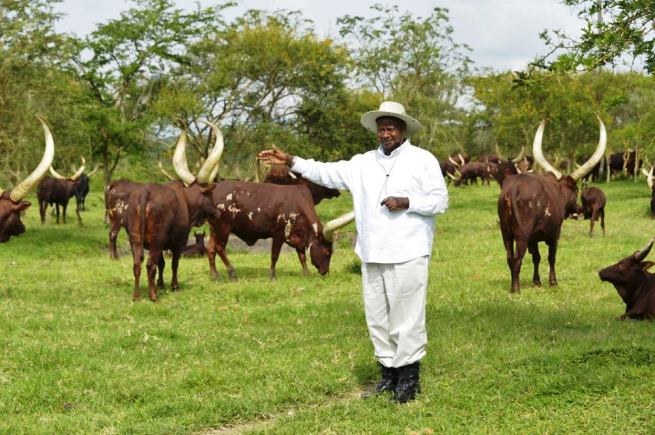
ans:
(275, 156)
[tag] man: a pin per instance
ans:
(397, 190)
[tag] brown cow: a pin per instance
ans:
(531, 209)
(58, 190)
(160, 217)
(12, 204)
(280, 174)
(116, 206)
(593, 206)
(634, 283)
(254, 211)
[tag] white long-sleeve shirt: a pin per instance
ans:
(385, 236)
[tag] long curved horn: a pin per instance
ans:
(19, 192)
(80, 171)
(643, 252)
(55, 173)
(649, 176)
(451, 176)
(214, 156)
(179, 161)
(538, 153)
(95, 169)
(596, 156)
(520, 156)
(498, 153)
(335, 224)
(164, 171)
(453, 161)
(461, 159)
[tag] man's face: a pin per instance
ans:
(391, 133)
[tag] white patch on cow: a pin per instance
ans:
(121, 207)
(547, 212)
(315, 226)
(250, 214)
(259, 209)
(233, 209)
(228, 197)
(221, 206)
(529, 204)
(288, 227)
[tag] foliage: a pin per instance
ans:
(615, 32)
(77, 356)
(415, 61)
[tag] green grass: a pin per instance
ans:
(77, 356)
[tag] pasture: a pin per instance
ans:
(78, 356)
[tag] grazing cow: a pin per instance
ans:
(624, 162)
(634, 283)
(649, 180)
(12, 204)
(593, 205)
(280, 174)
(82, 189)
(531, 209)
(254, 211)
(198, 248)
(58, 190)
(160, 217)
(469, 173)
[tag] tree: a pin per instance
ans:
(414, 61)
(615, 31)
(124, 72)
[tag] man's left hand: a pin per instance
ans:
(394, 203)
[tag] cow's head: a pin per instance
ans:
(10, 223)
(628, 272)
(320, 249)
(12, 204)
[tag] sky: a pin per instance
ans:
(503, 34)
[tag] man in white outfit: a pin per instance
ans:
(397, 190)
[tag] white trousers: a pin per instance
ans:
(394, 304)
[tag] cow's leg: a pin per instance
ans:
(113, 235)
(521, 247)
(174, 263)
(552, 254)
(77, 212)
(57, 209)
(42, 209)
(275, 254)
(217, 244)
(137, 255)
(303, 260)
(533, 248)
(64, 207)
(160, 269)
(602, 220)
(153, 261)
(592, 221)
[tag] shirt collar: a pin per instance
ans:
(395, 152)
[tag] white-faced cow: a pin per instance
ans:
(634, 283)
(531, 208)
(12, 204)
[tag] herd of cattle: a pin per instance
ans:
(159, 217)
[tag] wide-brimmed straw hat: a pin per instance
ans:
(391, 109)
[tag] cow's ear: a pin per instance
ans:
(22, 205)
(645, 265)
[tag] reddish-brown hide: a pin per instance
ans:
(593, 207)
(280, 174)
(634, 283)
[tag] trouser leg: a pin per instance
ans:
(376, 309)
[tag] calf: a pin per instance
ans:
(254, 211)
(198, 248)
(634, 283)
(593, 205)
(12, 204)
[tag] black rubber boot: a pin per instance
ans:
(388, 379)
(408, 383)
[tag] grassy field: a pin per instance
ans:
(77, 356)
